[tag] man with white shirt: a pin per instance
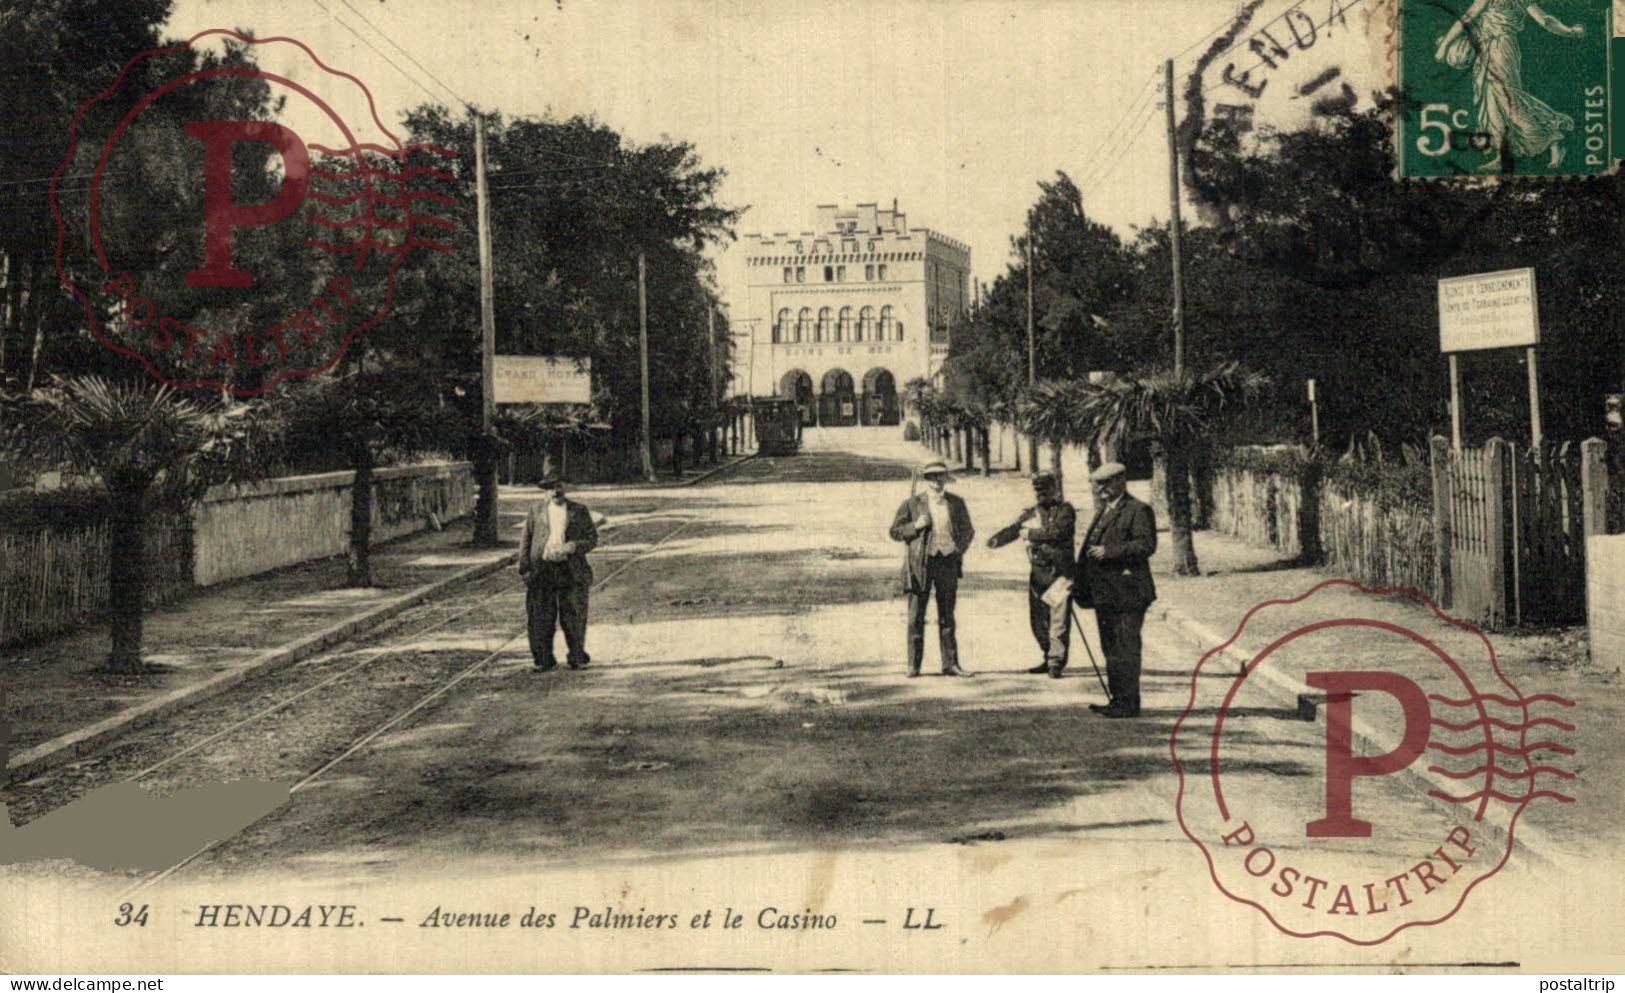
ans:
(936, 529)
(553, 561)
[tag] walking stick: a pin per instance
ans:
(1084, 638)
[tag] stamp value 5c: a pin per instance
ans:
(1505, 88)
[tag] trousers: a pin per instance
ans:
(942, 576)
(1120, 642)
(1051, 626)
(549, 606)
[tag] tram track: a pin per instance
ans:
(453, 668)
(304, 719)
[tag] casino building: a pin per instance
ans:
(842, 316)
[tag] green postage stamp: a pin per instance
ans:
(1505, 87)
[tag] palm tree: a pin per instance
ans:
(1179, 414)
(145, 445)
(1049, 411)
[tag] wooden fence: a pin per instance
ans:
(52, 579)
(1377, 544)
(1269, 509)
(1503, 542)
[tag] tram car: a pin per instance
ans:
(778, 425)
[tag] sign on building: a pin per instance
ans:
(1488, 310)
(542, 379)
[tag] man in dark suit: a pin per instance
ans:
(1049, 526)
(936, 528)
(553, 560)
(1115, 579)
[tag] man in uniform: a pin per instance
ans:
(553, 561)
(1049, 527)
(936, 529)
(1115, 578)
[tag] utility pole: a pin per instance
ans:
(1174, 223)
(485, 522)
(716, 401)
(644, 442)
(1032, 348)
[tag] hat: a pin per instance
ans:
(1044, 479)
(1111, 470)
(550, 480)
(937, 468)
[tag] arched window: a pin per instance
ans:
(823, 325)
(843, 327)
(866, 324)
(781, 327)
(885, 323)
(804, 324)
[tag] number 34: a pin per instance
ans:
(130, 914)
(1447, 121)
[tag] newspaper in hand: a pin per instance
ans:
(1058, 593)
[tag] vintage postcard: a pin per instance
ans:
(855, 486)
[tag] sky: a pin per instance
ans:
(955, 108)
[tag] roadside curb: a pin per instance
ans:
(65, 748)
(1532, 842)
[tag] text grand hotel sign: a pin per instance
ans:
(1488, 310)
(541, 379)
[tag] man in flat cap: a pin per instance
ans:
(1115, 578)
(553, 561)
(1049, 527)
(936, 529)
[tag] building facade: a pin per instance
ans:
(843, 316)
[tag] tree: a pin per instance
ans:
(573, 204)
(365, 414)
(1179, 413)
(144, 445)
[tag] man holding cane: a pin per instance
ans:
(1049, 527)
(1114, 573)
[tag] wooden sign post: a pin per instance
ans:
(1489, 310)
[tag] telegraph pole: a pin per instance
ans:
(1174, 223)
(485, 522)
(1032, 348)
(644, 441)
(716, 400)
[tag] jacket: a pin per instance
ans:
(1121, 579)
(1049, 543)
(578, 528)
(918, 540)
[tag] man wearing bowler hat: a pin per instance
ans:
(1114, 577)
(936, 530)
(1049, 527)
(553, 561)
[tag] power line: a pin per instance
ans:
(1112, 165)
(1128, 114)
(406, 53)
(362, 38)
(1111, 154)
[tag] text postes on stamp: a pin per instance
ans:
(225, 250)
(1504, 88)
(1363, 855)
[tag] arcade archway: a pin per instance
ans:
(798, 386)
(879, 400)
(837, 401)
